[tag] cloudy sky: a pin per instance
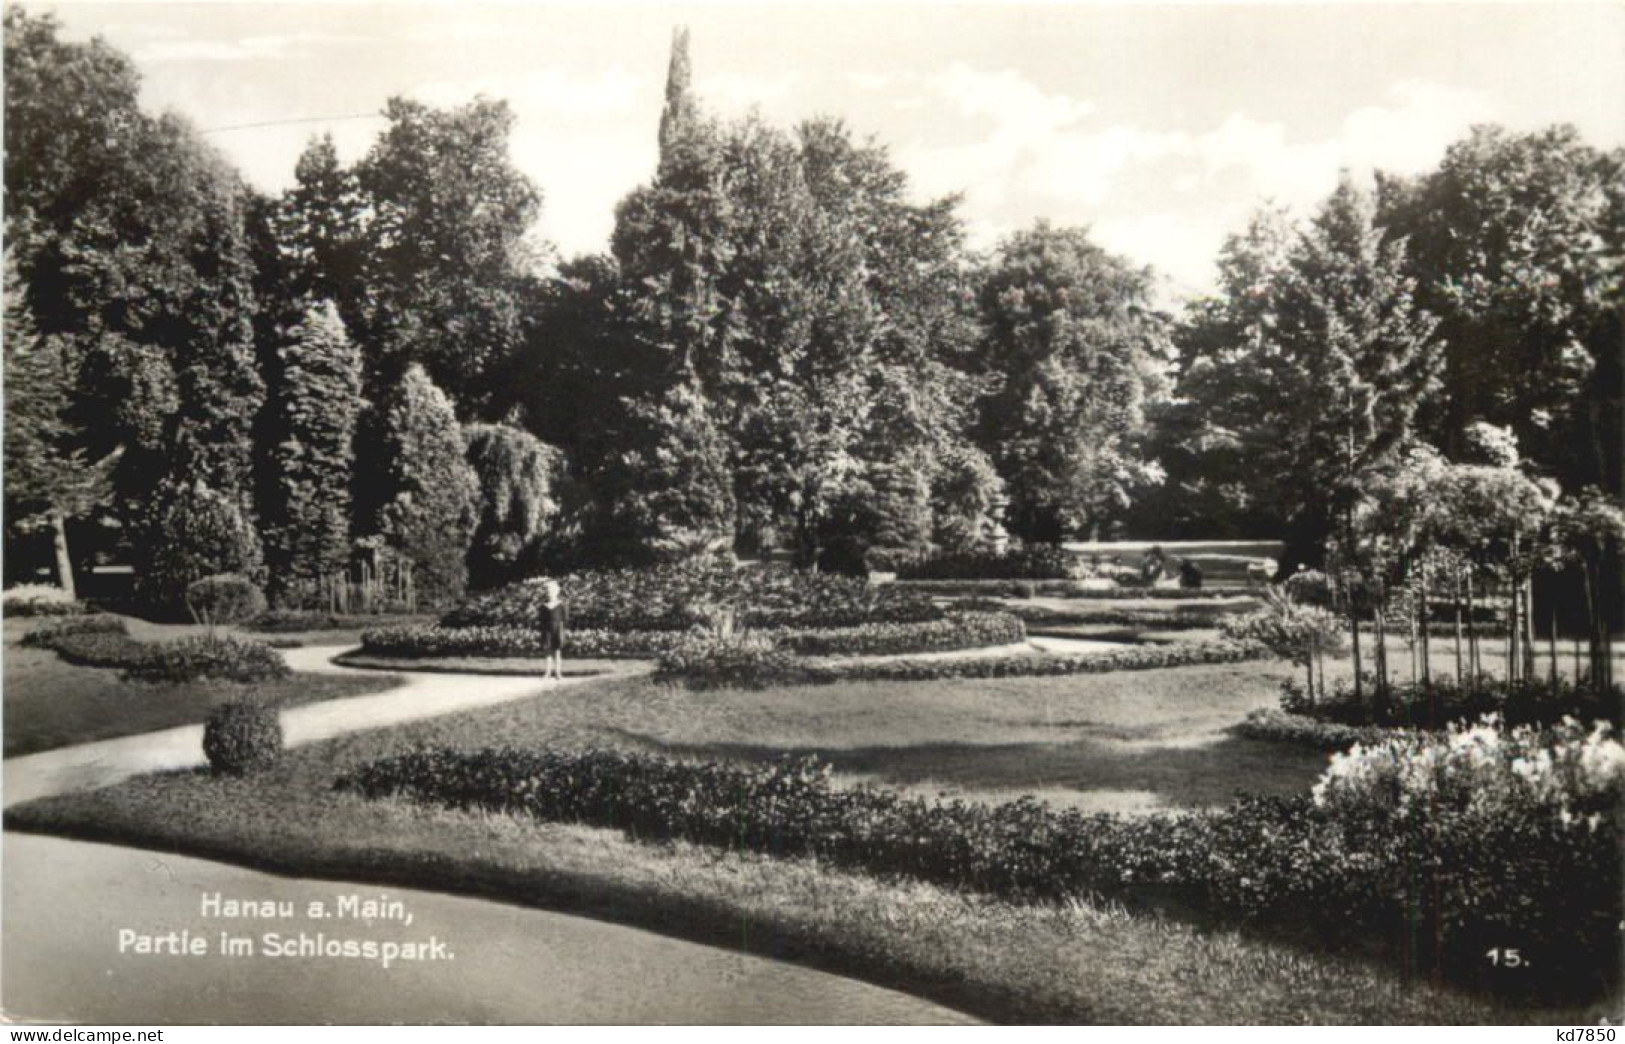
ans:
(1160, 127)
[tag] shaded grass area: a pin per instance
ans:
(50, 704)
(1077, 963)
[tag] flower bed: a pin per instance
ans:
(965, 630)
(50, 633)
(221, 657)
(675, 598)
(1452, 844)
(95, 641)
(1082, 590)
(429, 640)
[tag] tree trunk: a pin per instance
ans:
(1354, 632)
(1472, 631)
(1527, 590)
(1512, 632)
(1591, 619)
(1551, 643)
(1457, 600)
(64, 563)
(1380, 619)
(1427, 619)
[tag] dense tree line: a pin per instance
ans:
(781, 350)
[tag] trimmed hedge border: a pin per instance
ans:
(963, 631)
(1074, 589)
(1340, 874)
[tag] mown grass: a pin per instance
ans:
(1152, 739)
(50, 704)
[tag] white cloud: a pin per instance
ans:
(1181, 246)
(550, 92)
(173, 47)
(735, 93)
(1019, 108)
(1406, 136)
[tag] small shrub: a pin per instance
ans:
(39, 600)
(214, 657)
(223, 599)
(242, 737)
(47, 635)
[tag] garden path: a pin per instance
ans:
(66, 903)
(89, 766)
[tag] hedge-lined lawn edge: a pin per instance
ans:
(950, 949)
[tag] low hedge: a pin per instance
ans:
(1136, 658)
(677, 597)
(962, 631)
(1444, 877)
(111, 649)
(211, 657)
(49, 633)
(1279, 726)
(1082, 590)
(430, 640)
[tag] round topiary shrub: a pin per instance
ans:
(224, 598)
(241, 737)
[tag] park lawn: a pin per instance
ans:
(1084, 739)
(50, 704)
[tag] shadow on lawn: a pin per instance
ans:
(1191, 776)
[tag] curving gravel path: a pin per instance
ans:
(89, 766)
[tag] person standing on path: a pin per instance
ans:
(552, 622)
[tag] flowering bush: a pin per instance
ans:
(676, 597)
(1570, 773)
(216, 657)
